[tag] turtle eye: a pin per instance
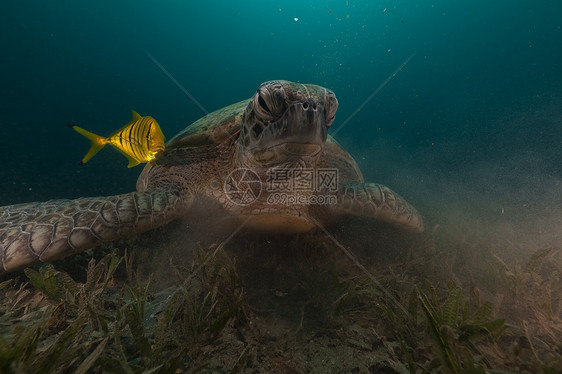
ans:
(330, 116)
(331, 107)
(262, 103)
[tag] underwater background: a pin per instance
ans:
(469, 128)
(455, 105)
(482, 87)
(471, 123)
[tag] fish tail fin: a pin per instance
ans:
(98, 142)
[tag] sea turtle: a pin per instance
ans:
(267, 162)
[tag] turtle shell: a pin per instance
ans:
(214, 128)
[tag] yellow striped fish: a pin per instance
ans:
(140, 140)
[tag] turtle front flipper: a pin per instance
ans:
(41, 232)
(376, 201)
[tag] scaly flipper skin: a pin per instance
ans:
(371, 200)
(40, 232)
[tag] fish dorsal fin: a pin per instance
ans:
(136, 116)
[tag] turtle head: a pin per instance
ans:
(286, 122)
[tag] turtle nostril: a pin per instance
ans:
(309, 104)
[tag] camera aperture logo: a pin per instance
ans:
(242, 186)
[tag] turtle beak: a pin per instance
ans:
(302, 123)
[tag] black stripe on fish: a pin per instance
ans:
(138, 127)
(145, 128)
(131, 138)
(141, 137)
(148, 135)
(130, 141)
(138, 142)
(123, 140)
